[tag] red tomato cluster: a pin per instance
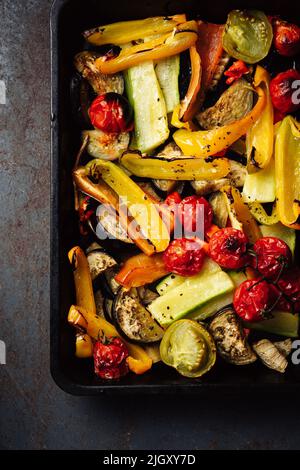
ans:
(110, 358)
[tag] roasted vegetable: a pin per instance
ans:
(286, 37)
(270, 355)
(182, 37)
(191, 101)
(133, 320)
(260, 186)
(110, 224)
(126, 31)
(260, 214)
(110, 284)
(99, 301)
(167, 72)
(287, 234)
(233, 105)
(171, 150)
(84, 346)
(106, 146)
(177, 168)
(220, 210)
(99, 261)
(85, 64)
(284, 93)
(189, 348)
(140, 270)
(111, 113)
(260, 137)
(82, 280)
(287, 155)
(235, 177)
(247, 35)
(227, 331)
(141, 208)
(211, 142)
(284, 347)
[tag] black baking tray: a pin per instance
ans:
(68, 19)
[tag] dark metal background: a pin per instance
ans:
(34, 412)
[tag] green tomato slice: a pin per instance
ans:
(248, 35)
(189, 348)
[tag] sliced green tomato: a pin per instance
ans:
(259, 213)
(167, 72)
(173, 280)
(247, 35)
(150, 114)
(260, 186)
(189, 348)
(194, 292)
(288, 235)
(283, 324)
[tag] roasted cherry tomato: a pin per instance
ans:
(173, 199)
(110, 358)
(185, 256)
(236, 71)
(111, 113)
(283, 88)
(247, 35)
(286, 37)
(189, 348)
(289, 286)
(228, 247)
(195, 215)
(272, 257)
(253, 300)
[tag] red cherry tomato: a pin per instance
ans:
(228, 247)
(253, 299)
(286, 37)
(110, 358)
(173, 199)
(283, 88)
(236, 71)
(195, 214)
(272, 256)
(111, 113)
(289, 286)
(185, 256)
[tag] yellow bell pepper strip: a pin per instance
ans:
(138, 361)
(176, 122)
(140, 270)
(84, 346)
(191, 102)
(141, 208)
(212, 142)
(167, 45)
(259, 213)
(104, 194)
(177, 168)
(124, 32)
(82, 279)
(260, 186)
(287, 171)
(240, 215)
(260, 137)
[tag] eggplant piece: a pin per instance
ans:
(106, 146)
(171, 150)
(223, 62)
(108, 309)
(111, 286)
(146, 295)
(270, 356)
(219, 206)
(133, 320)
(236, 177)
(284, 347)
(99, 261)
(234, 104)
(110, 224)
(82, 96)
(85, 64)
(99, 301)
(227, 331)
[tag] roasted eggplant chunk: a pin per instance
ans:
(133, 320)
(234, 104)
(229, 337)
(85, 65)
(270, 355)
(98, 261)
(110, 224)
(106, 146)
(236, 177)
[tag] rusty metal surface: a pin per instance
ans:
(34, 413)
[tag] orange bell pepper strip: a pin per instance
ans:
(140, 270)
(181, 38)
(138, 361)
(191, 102)
(104, 194)
(211, 142)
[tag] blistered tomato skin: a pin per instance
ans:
(228, 248)
(110, 359)
(185, 256)
(282, 88)
(253, 299)
(195, 213)
(272, 257)
(111, 113)
(289, 286)
(286, 37)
